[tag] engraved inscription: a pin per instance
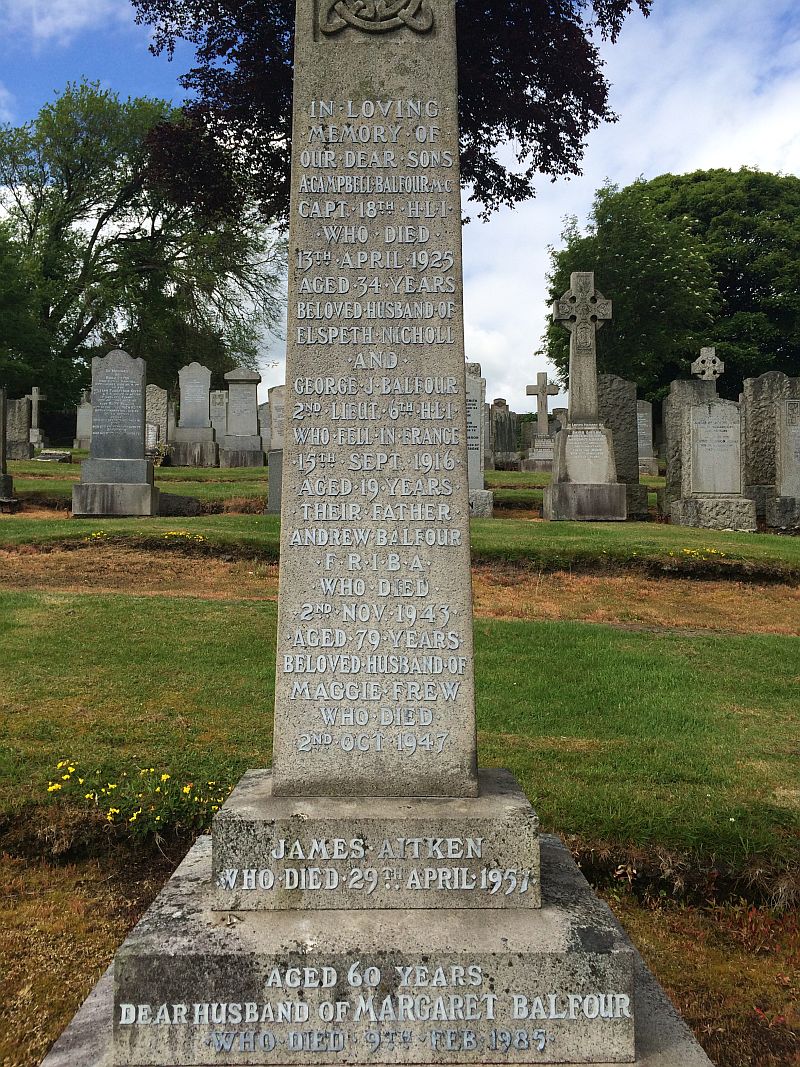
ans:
(375, 16)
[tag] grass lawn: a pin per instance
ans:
(680, 740)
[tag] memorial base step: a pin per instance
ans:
(481, 503)
(109, 499)
(194, 454)
(783, 513)
(241, 457)
(310, 853)
(715, 513)
(587, 502)
(588, 997)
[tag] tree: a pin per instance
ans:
(23, 346)
(114, 260)
(529, 75)
(655, 271)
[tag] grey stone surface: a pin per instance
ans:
(274, 481)
(218, 412)
(3, 446)
(585, 502)
(6, 487)
(542, 390)
(618, 411)
(37, 438)
(476, 391)
(766, 422)
(648, 461)
(582, 310)
(279, 853)
(117, 479)
(381, 503)
(488, 457)
(711, 470)
(241, 457)
(481, 503)
(708, 366)
(193, 453)
(54, 455)
(682, 395)
(18, 429)
(783, 513)
(242, 405)
(265, 425)
(503, 435)
(277, 408)
(661, 1037)
(156, 404)
(195, 386)
(176, 504)
(83, 421)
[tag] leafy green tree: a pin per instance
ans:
(709, 258)
(529, 74)
(23, 346)
(115, 260)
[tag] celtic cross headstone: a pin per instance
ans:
(582, 310)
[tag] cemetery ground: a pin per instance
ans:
(640, 679)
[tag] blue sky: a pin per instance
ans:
(701, 83)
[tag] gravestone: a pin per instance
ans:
(18, 429)
(37, 438)
(488, 458)
(83, 421)
(242, 445)
(265, 425)
(481, 500)
(648, 462)
(117, 479)
(617, 406)
(156, 417)
(6, 481)
(277, 404)
(193, 443)
(584, 484)
(374, 899)
(768, 405)
(540, 457)
(218, 412)
(504, 429)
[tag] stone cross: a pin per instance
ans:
(582, 310)
(708, 366)
(541, 391)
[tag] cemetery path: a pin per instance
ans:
(632, 602)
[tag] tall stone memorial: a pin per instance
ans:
(375, 898)
(18, 429)
(704, 444)
(648, 461)
(481, 500)
(504, 427)
(242, 445)
(770, 432)
(277, 409)
(617, 407)
(193, 441)
(117, 479)
(156, 417)
(37, 438)
(584, 484)
(83, 421)
(540, 457)
(218, 412)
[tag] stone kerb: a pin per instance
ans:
(117, 479)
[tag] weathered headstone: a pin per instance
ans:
(117, 479)
(488, 457)
(37, 438)
(769, 429)
(481, 500)
(156, 415)
(242, 445)
(265, 425)
(6, 481)
(18, 429)
(218, 412)
(83, 422)
(648, 462)
(617, 407)
(277, 406)
(584, 484)
(504, 431)
(193, 443)
(289, 938)
(540, 457)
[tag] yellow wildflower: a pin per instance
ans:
(165, 777)
(53, 786)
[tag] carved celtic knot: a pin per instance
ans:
(375, 16)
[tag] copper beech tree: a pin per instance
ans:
(531, 88)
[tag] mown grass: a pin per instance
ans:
(555, 545)
(676, 740)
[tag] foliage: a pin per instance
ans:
(22, 345)
(708, 258)
(529, 74)
(145, 802)
(663, 289)
(113, 260)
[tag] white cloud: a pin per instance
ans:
(695, 86)
(6, 102)
(44, 21)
